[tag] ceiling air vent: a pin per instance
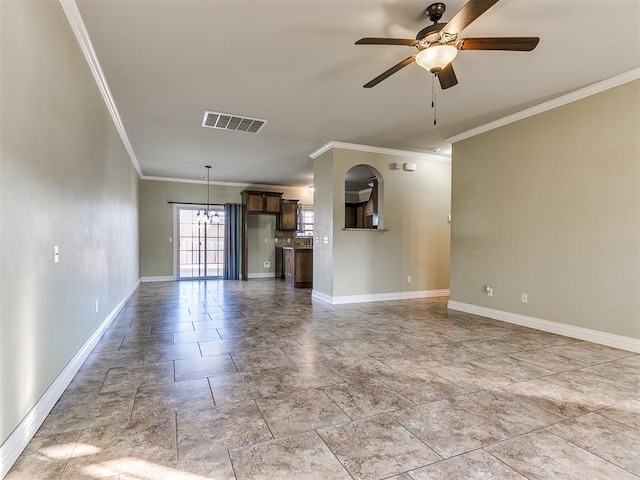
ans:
(226, 121)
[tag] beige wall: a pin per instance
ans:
(323, 223)
(415, 206)
(550, 206)
(156, 219)
(66, 180)
(261, 234)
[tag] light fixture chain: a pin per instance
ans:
(208, 172)
(210, 218)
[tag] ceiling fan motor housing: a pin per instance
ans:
(435, 11)
(431, 33)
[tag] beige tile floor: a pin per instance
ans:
(254, 380)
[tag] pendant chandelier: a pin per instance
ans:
(208, 215)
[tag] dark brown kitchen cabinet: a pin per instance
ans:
(298, 266)
(272, 202)
(355, 216)
(261, 202)
(288, 216)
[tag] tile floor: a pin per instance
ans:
(254, 380)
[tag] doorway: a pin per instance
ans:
(200, 244)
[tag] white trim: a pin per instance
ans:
(24, 432)
(594, 336)
(551, 104)
(378, 297)
(166, 278)
(222, 184)
(385, 151)
(74, 17)
(263, 275)
(323, 297)
(175, 240)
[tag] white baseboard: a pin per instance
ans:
(263, 275)
(323, 297)
(24, 432)
(594, 336)
(166, 278)
(378, 297)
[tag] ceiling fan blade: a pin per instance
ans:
(447, 77)
(389, 72)
(518, 44)
(387, 41)
(467, 14)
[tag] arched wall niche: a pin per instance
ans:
(364, 195)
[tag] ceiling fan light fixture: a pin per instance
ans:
(436, 57)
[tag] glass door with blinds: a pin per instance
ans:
(201, 244)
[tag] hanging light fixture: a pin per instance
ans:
(433, 59)
(436, 57)
(208, 215)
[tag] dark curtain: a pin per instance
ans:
(232, 214)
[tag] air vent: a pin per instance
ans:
(226, 121)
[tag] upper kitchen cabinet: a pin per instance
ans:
(261, 202)
(288, 216)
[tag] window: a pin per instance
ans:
(305, 221)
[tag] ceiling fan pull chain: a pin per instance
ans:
(433, 94)
(434, 103)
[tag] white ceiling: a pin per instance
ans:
(294, 63)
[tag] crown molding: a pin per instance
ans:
(70, 8)
(384, 151)
(551, 104)
(220, 184)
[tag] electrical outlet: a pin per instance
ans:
(267, 264)
(409, 279)
(524, 298)
(97, 306)
(56, 254)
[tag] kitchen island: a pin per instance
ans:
(298, 266)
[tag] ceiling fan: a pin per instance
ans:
(438, 44)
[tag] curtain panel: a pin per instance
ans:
(232, 215)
